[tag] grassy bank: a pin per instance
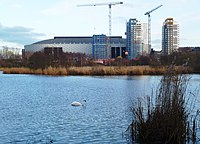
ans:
(95, 70)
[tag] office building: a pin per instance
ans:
(170, 36)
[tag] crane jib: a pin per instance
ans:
(110, 4)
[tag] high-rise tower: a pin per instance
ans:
(170, 36)
(136, 37)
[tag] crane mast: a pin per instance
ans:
(110, 11)
(149, 25)
(110, 20)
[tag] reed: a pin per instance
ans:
(54, 71)
(37, 71)
(167, 119)
(115, 70)
(21, 70)
(79, 70)
(46, 71)
(94, 70)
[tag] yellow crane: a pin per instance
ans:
(110, 4)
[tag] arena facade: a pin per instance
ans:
(111, 47)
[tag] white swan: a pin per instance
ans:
(75, 103)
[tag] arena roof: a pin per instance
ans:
(78, 39)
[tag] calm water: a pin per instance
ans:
(37, 109)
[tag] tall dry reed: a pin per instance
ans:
(165, 121)
(22, 70)
(55, 71)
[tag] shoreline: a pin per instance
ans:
(94, 71)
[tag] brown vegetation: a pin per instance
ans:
(14, 70)
(167, 119)
(46, 71)
(95, 70)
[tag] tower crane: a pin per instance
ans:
(149, 24)
(110, 4)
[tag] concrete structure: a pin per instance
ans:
(136, 38)
(68, 44)
(170, 36)
(145, 48)
(79, 45)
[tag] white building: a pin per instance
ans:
(145, 48)
(76, 45)
(136, 38)
(68, 44)
(170, 36)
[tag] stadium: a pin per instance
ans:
(97, 46)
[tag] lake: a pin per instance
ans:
(37, 109)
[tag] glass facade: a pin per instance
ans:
(99, 46)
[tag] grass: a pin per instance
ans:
(95, 70)
(165, 121)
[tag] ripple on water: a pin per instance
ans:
(37, 109)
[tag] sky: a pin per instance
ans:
(24, 22)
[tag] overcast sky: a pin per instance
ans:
(26, 21)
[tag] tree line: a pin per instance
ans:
(43, 60)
